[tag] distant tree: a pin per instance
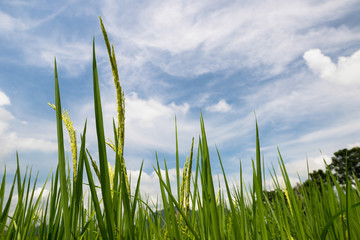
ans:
(320, 176)
(315, 178)
(337, 168)
(272, 195)
(338, 164)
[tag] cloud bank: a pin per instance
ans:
(345, 72)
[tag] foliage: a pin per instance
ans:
(346, 158)
(318, 179)
(342, 160)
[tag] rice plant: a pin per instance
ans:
(193, 210)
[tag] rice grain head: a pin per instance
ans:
(72, 135)
(287, 198)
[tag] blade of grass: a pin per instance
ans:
(163, 197)
(258, 158)
(177, 205)
(96, 204)
(348, 199)
(177, 162)
(2, 191)
(78, 190)
(234, 216)
(126, 203)
(173, 218)
(294, 205)
(333, 218)
(104, 172)
(4, 214)
(61, 159)
(209, 198)
(259, 206)
(53, 204)
(137, 191)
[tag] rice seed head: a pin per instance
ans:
(287, 198)
(52, 105)
(165, 234)
(72, 135)
(217, 197)
(111, 176)
(183, 183)
(120, 100)
(111, 144)
(187, 193)
(93, 163)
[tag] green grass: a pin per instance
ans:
(193, 210)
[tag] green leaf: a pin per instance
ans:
(96, 204)
(61, 159)
(104, 171)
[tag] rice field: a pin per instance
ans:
(191, 210)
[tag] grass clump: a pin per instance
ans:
(194, 210)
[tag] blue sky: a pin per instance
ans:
(295, 63)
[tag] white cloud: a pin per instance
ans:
(350, 146)
(270, 185)
(149, 184)
(5, 115)
(222, 106)
(300, 166)
(346, 71)
(147, 112)
(4, 100)
(11, 140)
(37, 191)
(150, 124)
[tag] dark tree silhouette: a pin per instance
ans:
(316, 177)
(272, 195)
(338, 164)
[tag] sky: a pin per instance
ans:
(292, 65)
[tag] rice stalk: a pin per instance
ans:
(72, 135)
(120, 100)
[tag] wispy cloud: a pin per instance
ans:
(25, 22)
(185, 39)
(9, 23)
(72, 56)
(38, 43)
